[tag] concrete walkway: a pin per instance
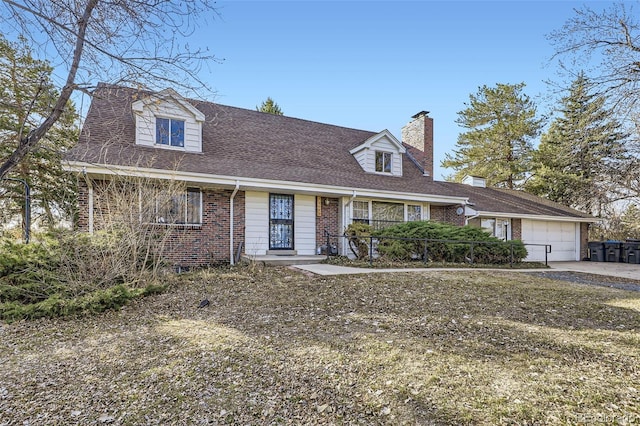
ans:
(622, 270)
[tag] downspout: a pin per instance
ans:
(233, 195)
(348, 204)
(352, 197)
(468, 218)
(346, 219)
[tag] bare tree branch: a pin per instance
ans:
(135, 42)
(28, 142)
(606, 45)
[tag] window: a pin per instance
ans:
(488, 225)
(498, 228)
(387, 212)
(383, 162)
(169, 132)
(173, 207)
(361, 211)
(414, 213)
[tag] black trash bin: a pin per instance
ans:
(596, 251)
(613, 251)
(632, 251)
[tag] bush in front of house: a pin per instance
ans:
(406, 241)
(358, 237)
(67, 273)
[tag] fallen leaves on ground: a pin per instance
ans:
(276, 346)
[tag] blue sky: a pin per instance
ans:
(373, 64)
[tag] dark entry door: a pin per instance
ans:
(280, 222)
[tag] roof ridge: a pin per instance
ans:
(103, 86)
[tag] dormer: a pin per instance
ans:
(380, 154)
(476, 181)
(168, 121)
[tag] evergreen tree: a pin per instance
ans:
(580, 157)
(27, 94)
(631, 221)
(501, 122)
(270, 106)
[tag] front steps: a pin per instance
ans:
(272, 259)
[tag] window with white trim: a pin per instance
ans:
(381, 214)
(172, 207)
(383, 161)
(169, 132)
(361, 211)
(414, 213)
(387, 213)
(498, 228)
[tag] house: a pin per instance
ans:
(265, 184)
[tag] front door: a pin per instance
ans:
(280, 222)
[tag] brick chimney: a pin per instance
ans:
(417, 136)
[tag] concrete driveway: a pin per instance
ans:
(623, 270)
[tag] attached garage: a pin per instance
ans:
(564, 238)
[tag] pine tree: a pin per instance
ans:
(580, 157)
(270, 106)
(501, 122)
(631, 221)
(27, 94)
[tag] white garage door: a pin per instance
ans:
(563, 237)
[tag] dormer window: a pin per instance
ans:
(383, 162)
(166, 120)
(381, 153)
(170, 132)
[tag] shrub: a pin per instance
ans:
(358, 236)
(28, 272)
(406, 241)
(58, 306)
(67, 273)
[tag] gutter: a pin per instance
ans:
(233, 195)
(540, 217)
(259, 184)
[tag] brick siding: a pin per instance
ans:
(584, 240)
(329, 220)
(185, 245)
(516, 229)
(446, 214)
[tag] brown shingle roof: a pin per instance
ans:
(500, 200)
(250, 144)
(241, 143)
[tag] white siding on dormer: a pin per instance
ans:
(361, 158)
(365, 154)
(145, 128)
(385, 145)
(146, 125)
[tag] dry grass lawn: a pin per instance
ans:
(279, 347)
